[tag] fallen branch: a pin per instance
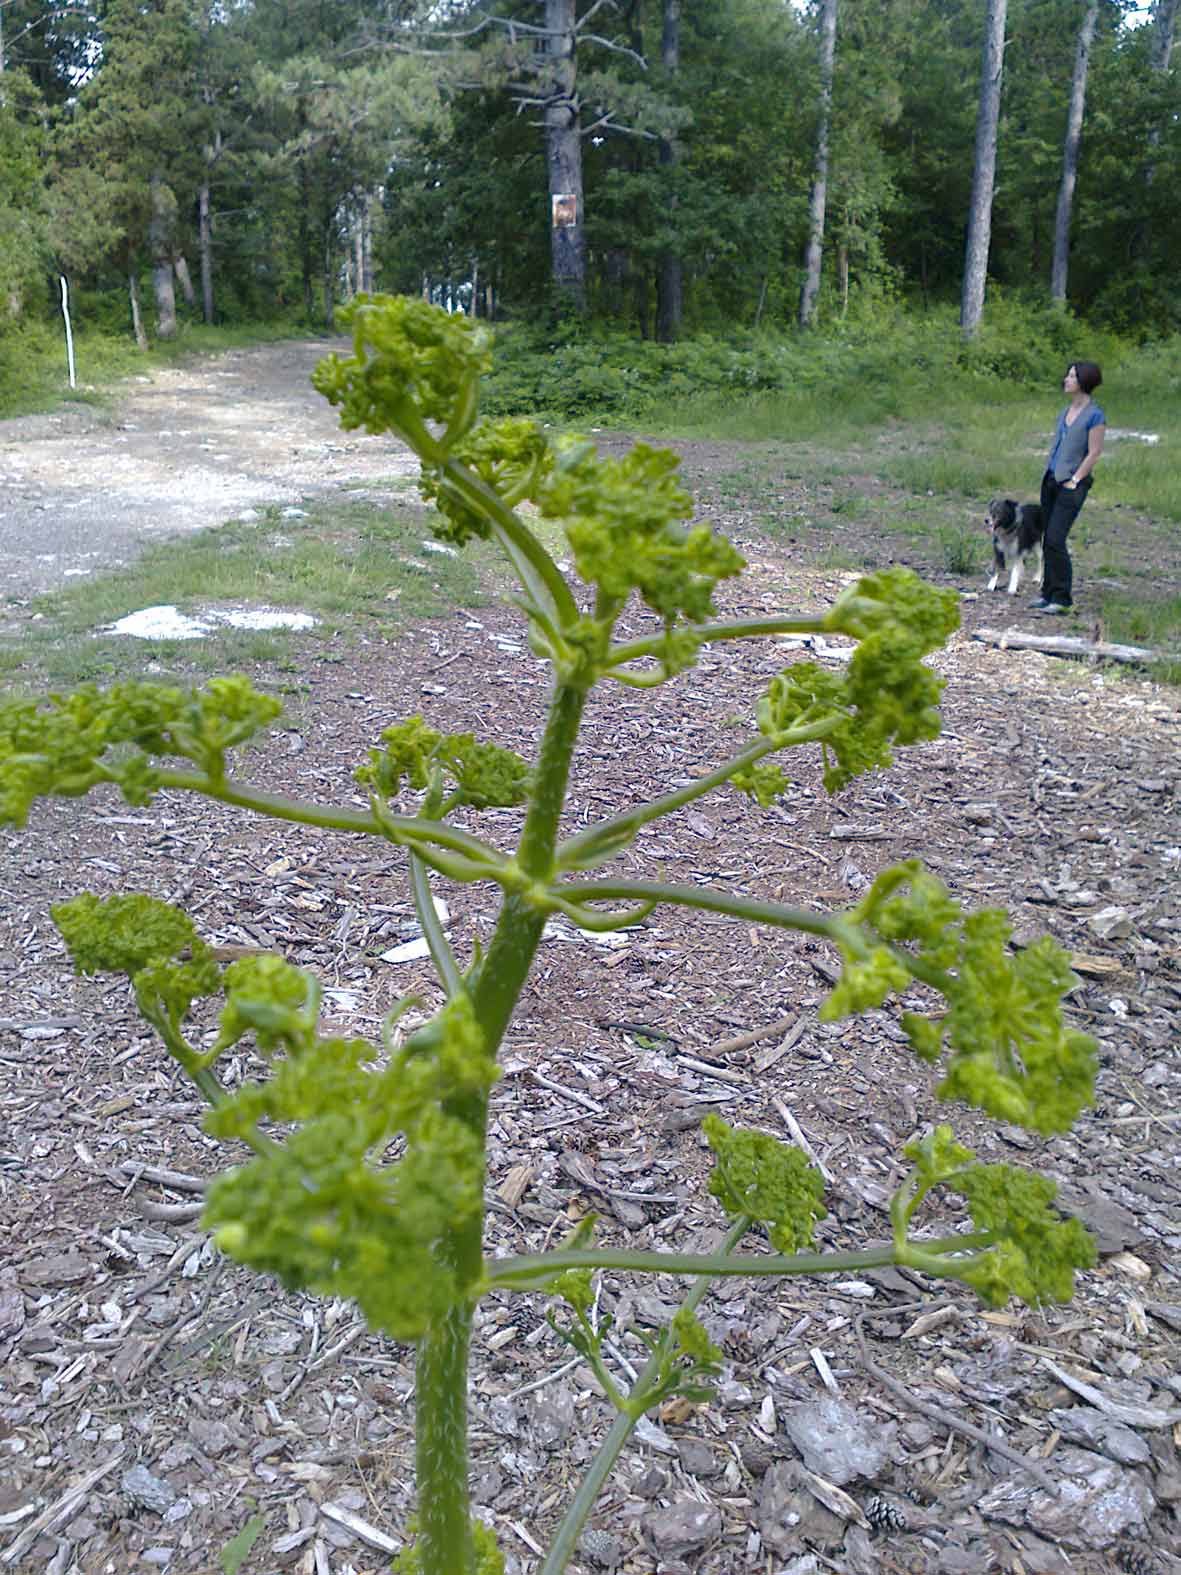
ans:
(935, 1413)
(1067, 645)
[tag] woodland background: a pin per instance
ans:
(261, 160)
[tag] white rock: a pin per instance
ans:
(1111, 924)
(409, 951)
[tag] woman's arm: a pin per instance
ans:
(1094, 449)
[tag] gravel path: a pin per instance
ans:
(186, 447)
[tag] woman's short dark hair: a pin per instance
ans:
(1088, 374)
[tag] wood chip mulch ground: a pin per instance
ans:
(154, 1398)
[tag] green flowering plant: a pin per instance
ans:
(366, 1168)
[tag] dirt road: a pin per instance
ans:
(186, 447)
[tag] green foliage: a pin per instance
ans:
(237, 1550)
(23, 208)
(488, 1558)
(621, 520)
(1011, 1053)
(122, 934)
(83, 739)
(411, 363)
(763, 1180)
(485, 774)
(511, 457)
(886, 696)
(1034, 1253)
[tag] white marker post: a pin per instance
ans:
(69, 330)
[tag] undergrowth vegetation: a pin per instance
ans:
(940, 424)
(348, 563)
(33, 371)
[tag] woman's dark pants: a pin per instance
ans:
(1060, 508)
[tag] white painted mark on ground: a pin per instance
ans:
(169, 623)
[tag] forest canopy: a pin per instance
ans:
(649, 163)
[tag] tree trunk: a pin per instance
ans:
(473, 310)
(983, 168)
(563, 157)
(304, 230)
(1164, 25)
(329, 286)
(137, 319)
(180, 263)
(815, 253)
(1074, 132)
(843, 277)
(160, 242)
(205, 250)
(367, 241)
(359, 252)
(670, 278)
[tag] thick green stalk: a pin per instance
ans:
(518, 930)
(444, 1511)
(440, 1451)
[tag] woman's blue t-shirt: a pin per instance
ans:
(1069, 448)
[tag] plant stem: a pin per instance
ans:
(611, 832)
(561, 1549)
(444, 1512)
(409, 830)
(441, 954)
(739, 629)
(832, 927)
(529, 1270)
(441, 1457)
(540, 576)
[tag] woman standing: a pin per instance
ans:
(1078, 443)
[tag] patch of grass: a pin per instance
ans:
(842, 558)
(961, 549)
(348, 562)
(33, 373)
(1143, 620)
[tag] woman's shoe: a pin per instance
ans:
(1040, 605)
(1055, 609)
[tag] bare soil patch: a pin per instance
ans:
(189, 446)
(154, 1398)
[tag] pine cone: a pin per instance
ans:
(884, 1516)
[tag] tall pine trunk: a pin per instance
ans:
(563, 157)
(670, 279)
(1074, 132)
(184, 278)
(205, 250)
(815, 253)
(137, 316)
(983, 168)
(1164, 25)
(160, 242)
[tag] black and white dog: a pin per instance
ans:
(1017, 531)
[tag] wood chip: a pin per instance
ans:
(361, 1529)
(1145, 1416)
